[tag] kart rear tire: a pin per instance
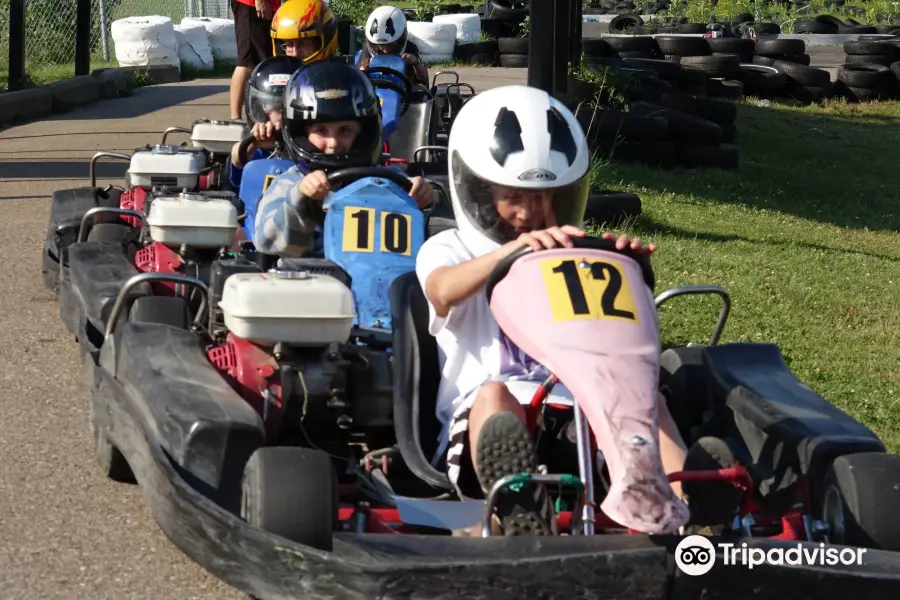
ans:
(858, 500)
(292, 492)
(162, 310)
(111, 461)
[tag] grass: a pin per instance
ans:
(44, 74)
(804, 236)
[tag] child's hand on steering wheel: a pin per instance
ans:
(264, 134)
(315, 185)
(623, 241)
(421, 191)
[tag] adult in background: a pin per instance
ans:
(252, 22)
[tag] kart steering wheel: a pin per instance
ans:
(593, 243)
(389, 84)
(244, 146)
(351, 174)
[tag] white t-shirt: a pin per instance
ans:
(471, 347)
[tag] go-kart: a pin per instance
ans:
(372, 230)
(296, 516)
(152, 168)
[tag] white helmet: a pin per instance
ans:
(386, 25)
(506, 144)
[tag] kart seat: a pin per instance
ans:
(416, 380)
(417, 125)
(775, 409)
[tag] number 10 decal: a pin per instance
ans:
(359, 231)
(588, 290)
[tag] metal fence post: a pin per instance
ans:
(540, 45)
(103, 35)
(16, 77)
(83, 37)
(561, 39)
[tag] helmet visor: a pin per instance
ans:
(503, 213)
(398, 46)
(261, 105)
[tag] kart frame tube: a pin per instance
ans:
(441, 567)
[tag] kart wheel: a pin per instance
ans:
(111, 461)
(292, 492)
(857, 501)
(163, 310)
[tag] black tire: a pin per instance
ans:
(830, 20)
(869, 59)
(693, 76)
(869, 47)
(483, 60)
(715, 66)
(873, 77)
(111, 461)
(767, 28)
(683, 127)
(467, 51)
(691, 28)
(622, 23)
(812, 26)
(514, 61)
(495, 28)
(804, 75)
(718, 111)
(858, 498)
(672, 58)
(597, 48)
(870, 95)
(759, 79)
(162, 310)
(513, 45)
(666, 70)
(493, 10)
(612, 208)
(847, 29)
(895, 69)
(729, 132)
(610, 124)
(659, 155)
(637, 43)
(729, 89)
(109, 232)
(683, 46)
(637, 54)
(723, 156)
(769, 47)
(731, 45)
(292, 492)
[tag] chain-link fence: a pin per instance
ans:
(50, 28)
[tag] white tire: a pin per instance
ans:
(221, 36)
(145, 41)
(193, 46)
(468, 26)
(432, 38)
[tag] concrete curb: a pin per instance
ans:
(66, 94)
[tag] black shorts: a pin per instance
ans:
(253, 35)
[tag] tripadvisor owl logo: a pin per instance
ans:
(696, 555)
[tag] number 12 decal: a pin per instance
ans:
(359, 231)
(580, 292)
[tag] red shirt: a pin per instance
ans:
(275, 4)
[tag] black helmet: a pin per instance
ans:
(328, 91)
(265, 89)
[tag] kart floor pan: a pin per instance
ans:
(387, 567)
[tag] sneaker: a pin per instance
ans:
(713, 504)
(505, 447)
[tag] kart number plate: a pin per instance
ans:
(359, 231)
(267, 181)
(582, 289)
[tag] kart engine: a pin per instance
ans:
(217, 137)
(283, 344)
(172, 167)
(189, 231)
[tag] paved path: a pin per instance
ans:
(65, 531)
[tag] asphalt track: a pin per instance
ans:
(65, 531)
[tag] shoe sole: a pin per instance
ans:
(505, 447)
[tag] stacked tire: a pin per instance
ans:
(867, 73)
(513, 52)
(680, 129)
(803, 83)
